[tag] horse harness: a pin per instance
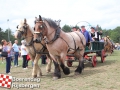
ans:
(57, 35)
(31, 43)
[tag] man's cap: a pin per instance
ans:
(74, 27)
(92, 28)
(82, 26)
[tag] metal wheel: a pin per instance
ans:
(102, 56)
(94, 60)
(69, 63)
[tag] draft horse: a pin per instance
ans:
(60, 44)
(108, 46)
(35, 50)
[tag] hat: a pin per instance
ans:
(73, 27)
(82, 26)
(92, 28)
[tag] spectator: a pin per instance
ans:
(43, 57)
(0, 53)
(102, 40)
(24, 55)
(16, 52)
(95, 34)
(79, 29)
(86, 34)
(11, 52)
(74, 29)
(7, 48)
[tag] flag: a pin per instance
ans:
(5, 81)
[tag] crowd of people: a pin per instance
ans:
(16, 51)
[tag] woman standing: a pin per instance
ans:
(7, 48)
(24, 55)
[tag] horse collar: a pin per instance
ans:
(56, 36)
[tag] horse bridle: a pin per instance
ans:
(42, 28)
(24, 31)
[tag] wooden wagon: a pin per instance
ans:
(95, 49)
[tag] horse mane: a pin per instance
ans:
(50, 22)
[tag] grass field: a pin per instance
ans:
(105, 76)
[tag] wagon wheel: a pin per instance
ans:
(94, 60)
(102, 56)
(69, 63)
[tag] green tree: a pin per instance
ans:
(1, 34)
(66, 28)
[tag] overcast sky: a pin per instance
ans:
(106, 13)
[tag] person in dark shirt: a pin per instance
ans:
(43, 57)
(74, 29)
(95, 34)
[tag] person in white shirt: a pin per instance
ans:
(24, 55)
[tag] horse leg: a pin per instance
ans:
(33, 59)
(48, 67)
(39, 71)
(80, 65)
(57, 72)
(36, 68)
(65, 69)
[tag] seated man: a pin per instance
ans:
(74, 29)
(95, 34)
(86, 34)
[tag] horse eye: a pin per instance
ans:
(25, 27)
(40, 26)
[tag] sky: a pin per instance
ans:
(105, 13)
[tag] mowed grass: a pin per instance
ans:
(105, 76)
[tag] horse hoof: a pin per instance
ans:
(66, 71)
(39, 75)
(48, 71)
(55, 78)
(77, 73)
(34, 76)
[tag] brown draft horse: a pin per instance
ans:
(34, 49)
(60, 44)
(108, 46)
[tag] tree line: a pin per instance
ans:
(4, 35)
(114, 34)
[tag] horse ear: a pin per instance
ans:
(40, 18)
(25, 20)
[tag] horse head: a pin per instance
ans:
(40, 30)
(105, 41)
(23, 30)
